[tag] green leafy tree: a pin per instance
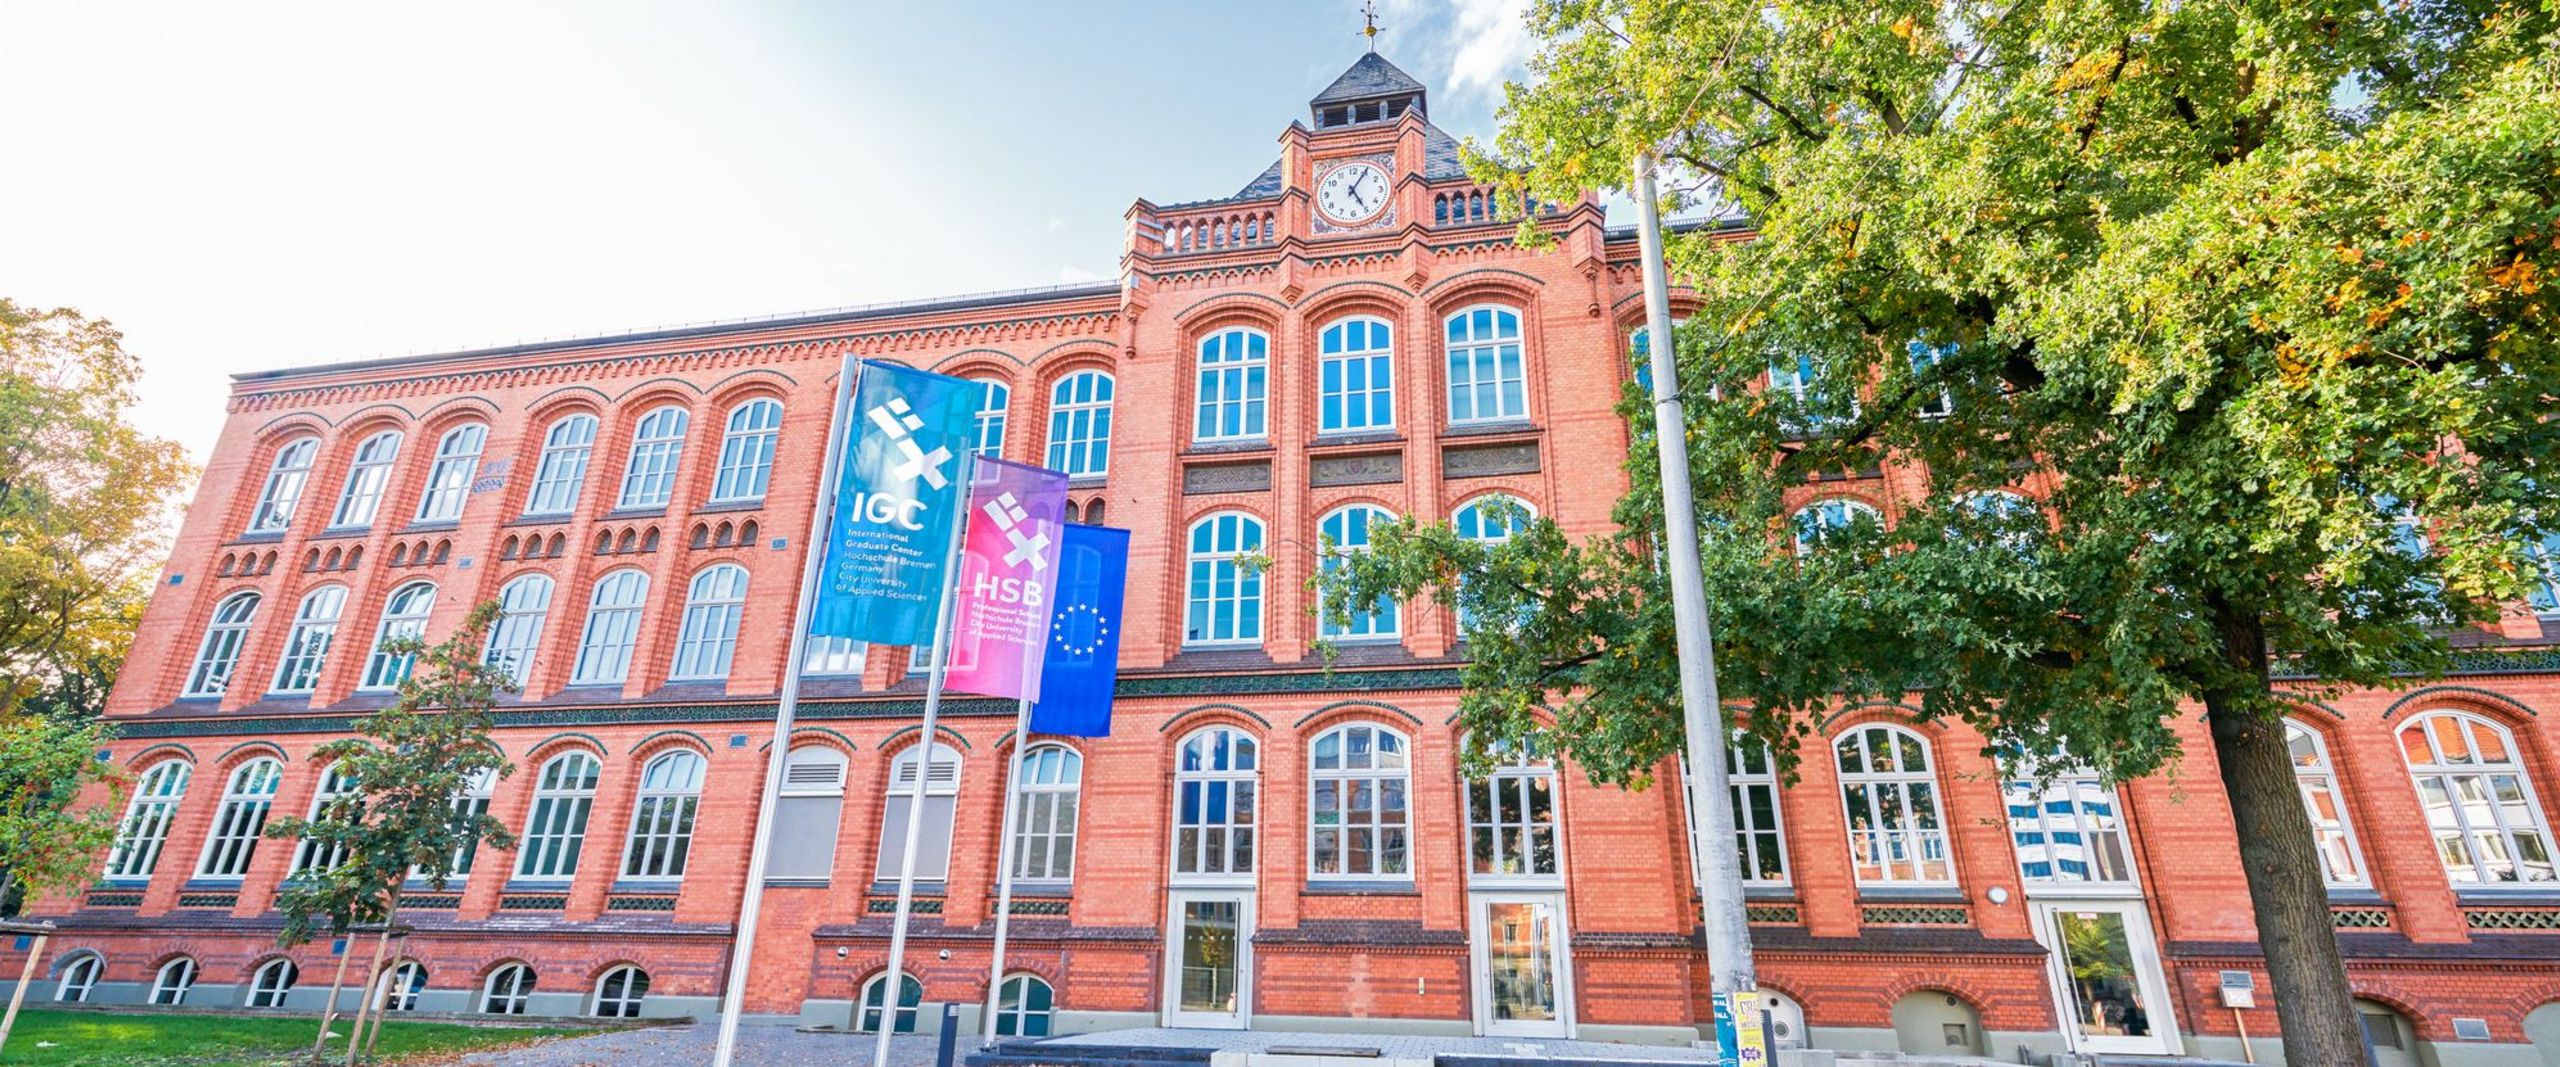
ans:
(84, 502)
(47, 843)
(2252, 300)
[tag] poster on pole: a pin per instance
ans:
(1084, 634)
(1008, 574)
(896, 502)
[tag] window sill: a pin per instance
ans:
(1933, 894)
(1354, 439)
(559, 519)
(2355, 895)
(1490, 428)
(1056, 890)
(537, 885)
(723, 507)
(1229, 446)
(1769, 892)
(796, 883)
(331, 533)
(432, 526)
(669, 887)
(2509, 896)
(260, 537)
(924, 888)
(212, 882)
(1376, 887)
(1088, 481)
(621, 514)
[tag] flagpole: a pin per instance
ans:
(1004, 865)
(934, 668)
(813, 556)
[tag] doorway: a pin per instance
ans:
(1208, 959)
(1523, 988)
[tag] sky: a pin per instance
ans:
(255, 185)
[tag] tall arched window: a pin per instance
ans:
(2066, 827)
(1828, 522)
(657, 448)
(910, 995)
(403, 615)
(220, 650)
(311, 856)
(1795, 383)
(1044, 822)
(713, 605)
(746, 451)
(2340, 862)
(1080, 424)
(366, 478)
(2488, 828)
(449, 479)
(620, 992)
(556, 830)
(613, 627)
(473, 800)
(1896, 834)
(306, 646)
(1762, 836)
(1235, 383)
(807, 814)
(79, 977)
(239, 818)
(523, 604)
(1023, 1006)
(2003, 518)
(562, 471)
(1358, 817)
(273, 979)
(507, 990)
(1492, 519)
(1511, 819)
(662, 818)
(1928, 372)
(286, 476)
(1488, 382)
(400, 987)
(147, 816)
(1214, 779)
(1355, 376)
(1224, 604)
(941, 791)
(994, 396)
(1344, 531)
(170, 985)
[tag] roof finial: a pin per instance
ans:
(1369, 14)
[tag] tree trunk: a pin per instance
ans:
(2286, 893)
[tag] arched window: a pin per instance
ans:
(169, 987)
(1044, 823)
(523, 604)
(146, 819)
(1830, 521)
(713, 605)
(1235, 382)
(1487, 380)
(1795, 383)
(556, 829)
(404, 615)
(806, 815)
(506, 990)
(1926, 371)
(400, 987)
(2066, 827)
(1896, 834)
(994, 397)
(2006, 519)
(1224, 605)
(1355, 375)
(473, 800)
(1357, 812)
(657, 448)
(239, 818)
(1214, 779)
(1511, 819)
(366, 478)
(1023, 1005)
(310, 855)
(746, 451)
(910, 995)
(1760, 838)
(613, 627)
(662, 819)
(620, 991)
(220, 650)
(1492, 519)
(78, 978)
(306, 646)
(941, 791)
(449, 479)
(1342, 532)
(2488, 828)
(2340, 862)
(283, 489)
(272, 981)
(562, 471)
(1080, 425)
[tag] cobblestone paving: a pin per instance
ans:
(779, 1046)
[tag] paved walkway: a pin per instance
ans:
(780, 1046)
(1397, 1046)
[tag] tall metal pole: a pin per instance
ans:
(1717, 855)
(935, 670)
(1004, 867)
(813, 557)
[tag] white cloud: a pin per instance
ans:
(1071, 274)
(1489, 41)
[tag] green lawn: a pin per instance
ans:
(129, 1039)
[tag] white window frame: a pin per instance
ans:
(662, 817)
(171, 983)
(306, 644)
(747, 445)
(2315, 775)
(368, 477)
(1522, 775)
(449, 478)
(1905, 784)
(560, 476)
(612, 629)
(524, 606)
(79, 978)
(1013, 1005)
(272, 982)
(404, 614)
(2091, 810)
(147, 818)
(942, 789)
(556, 823)
(1797, 377)
(288, 474)
(1218, 806)
(823, 656)
(1342, 532)
(2517, 823)
(399, 988)
(1233, 375)
(1473, 522)
(507, 989)
(477, 792)
(1817, 519)
(1371, 360)
(995, 397)
(872, 1005)
(1382, 776)
(2545, 596)
(248, 796)
(1219, 543)
(1487, 359)
(813, 780)
(1080, 424)
(310, 855)
(657, 456)
(715, 605)
(1049, 781)
(219, 653)
(1926, 359)
(619, 1002)
(1749, 769)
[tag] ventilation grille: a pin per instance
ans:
(1911, 916)
(115, 900)
(1773, 914)
(2360, 918)
(434, 902)
(889, 906)
(1025, 907)
(2513, 919)
(532, 903)
(208, 900)
(640, 903)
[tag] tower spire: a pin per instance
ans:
(1369, 15)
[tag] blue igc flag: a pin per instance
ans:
(1083, 664)
(897, 504)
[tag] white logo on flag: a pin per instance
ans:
(1009, 515)
(900, 422)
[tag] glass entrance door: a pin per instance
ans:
(2106, 976)
(1208, 965)
(1522, 987)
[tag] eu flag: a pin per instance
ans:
(1083, 662)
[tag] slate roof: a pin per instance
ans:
(1439, 162)
(1370, 76)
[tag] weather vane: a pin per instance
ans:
(1369, 14)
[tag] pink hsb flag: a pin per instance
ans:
(1008, 579)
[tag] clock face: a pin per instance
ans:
(1352, 192)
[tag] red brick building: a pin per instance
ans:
(1262, 841)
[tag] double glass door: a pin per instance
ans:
(2106, 976)
(1521, 980)
(1209, 959)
